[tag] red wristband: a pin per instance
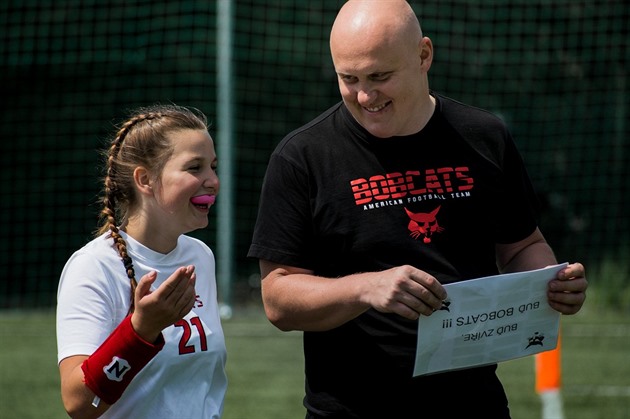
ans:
(110, 369)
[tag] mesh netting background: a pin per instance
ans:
(556, 71)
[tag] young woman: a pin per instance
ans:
(153, 347)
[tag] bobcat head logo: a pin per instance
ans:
(423, 224)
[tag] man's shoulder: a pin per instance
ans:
(460, 113)
(321, 122)
(319, 128)
(482, 130)
(473, 123)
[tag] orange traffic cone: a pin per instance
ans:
(548, 382)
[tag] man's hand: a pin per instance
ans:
(404, 290)
(567, 292)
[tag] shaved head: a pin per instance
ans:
(381, 21)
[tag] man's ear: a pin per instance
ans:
(142, 179)
(426, 53)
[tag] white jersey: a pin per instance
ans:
(187, 378)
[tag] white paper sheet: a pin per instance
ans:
(489, 320)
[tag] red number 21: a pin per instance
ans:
(184, 346)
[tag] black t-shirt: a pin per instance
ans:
(338, 201)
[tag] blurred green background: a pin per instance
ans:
(555, 70)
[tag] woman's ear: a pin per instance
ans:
(142, 179)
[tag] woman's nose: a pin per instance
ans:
(211, 181)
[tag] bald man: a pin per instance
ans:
(369, 209)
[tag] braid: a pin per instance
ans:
(137, 143)
(128, 263)
(109, 208)
(109, 201)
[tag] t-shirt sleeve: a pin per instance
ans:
(518, 213)
(283, 230)
(514, 212)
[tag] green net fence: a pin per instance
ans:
(555, 70)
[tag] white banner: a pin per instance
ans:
(489, 320)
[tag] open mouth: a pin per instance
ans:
(203, 201)
(378, 108)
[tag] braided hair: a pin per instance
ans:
(140, 141)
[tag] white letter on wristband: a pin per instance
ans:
(110, 369)
(117, 369)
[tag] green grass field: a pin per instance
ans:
(265, 368)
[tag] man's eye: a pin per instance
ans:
(380, 77)
(348, 79)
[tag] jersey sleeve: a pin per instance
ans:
(86, 310)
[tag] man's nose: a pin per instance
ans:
(366, 95)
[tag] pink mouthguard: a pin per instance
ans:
(203, 200)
